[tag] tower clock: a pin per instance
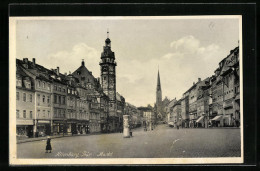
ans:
(108, 75)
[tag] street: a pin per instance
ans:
(163, 142)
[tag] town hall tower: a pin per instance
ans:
(108, 80)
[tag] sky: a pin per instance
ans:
(182, 49)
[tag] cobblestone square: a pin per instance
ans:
(163, 142)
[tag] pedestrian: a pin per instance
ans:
(48, 145)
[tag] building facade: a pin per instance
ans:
(108, 83)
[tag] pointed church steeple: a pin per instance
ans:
(158, 82)
(158, 91)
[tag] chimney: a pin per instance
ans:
(193, 83)
(83, 63)
(25, 60)
(199, 79)
(58, 70)
(33, 59)
(65, 73)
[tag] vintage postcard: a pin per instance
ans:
(125, 90)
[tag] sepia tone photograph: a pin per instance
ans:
(125, 90)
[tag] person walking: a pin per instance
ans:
(48, 145)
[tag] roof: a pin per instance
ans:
(172, 102)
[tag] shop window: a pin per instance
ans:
(17, 96)
(24, 97)
(31, 114)
(24, 113)
(17, 114)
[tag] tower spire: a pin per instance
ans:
(158, 80)
(107, 33)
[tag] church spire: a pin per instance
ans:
(158, 82)
(158, 91)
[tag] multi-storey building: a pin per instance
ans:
(25, 103)
(108, 83)
(230, 79)
(203, 103)
(185, 110)
(59, 98)
(72, 98)
(176, 114)
(120, 105)
(169, 111)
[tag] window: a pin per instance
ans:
(43, 113)
(39, 83)
(48, 114)
(55, 112)
(18, 82)
(104, 77)
(17, 114)
(48, 99)
(64, 90)
(29, 85)
(55, 98)
(43, 98)
(24, 97)
(59, 100)
(55, 87)
(43, 84)
(38, 112)
(24, 113)
(30, 98)
(49, 87)
(68, 90)
(17, 96)
(63, 100)
(60, 89)
(31, 114)
(39, 98)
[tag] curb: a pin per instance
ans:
(44, 138)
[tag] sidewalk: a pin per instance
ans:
(52, 137)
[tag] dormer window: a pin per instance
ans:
(19, 82)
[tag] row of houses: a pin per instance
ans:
(214, 101)
(50, 103)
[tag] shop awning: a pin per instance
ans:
(217, 118)
(200, 119)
